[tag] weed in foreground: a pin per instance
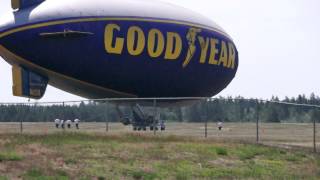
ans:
(221, 151)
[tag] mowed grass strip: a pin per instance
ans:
(138, 156)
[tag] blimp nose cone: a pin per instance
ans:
(7, 21)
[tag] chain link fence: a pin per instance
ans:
(250, 120)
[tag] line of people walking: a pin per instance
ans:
(61, 123)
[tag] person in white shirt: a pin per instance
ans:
(62, 123)
(220, 126)
(69, 123)
(57, 122)
(162, 125)
(77, 121)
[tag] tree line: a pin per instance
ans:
(225, 109)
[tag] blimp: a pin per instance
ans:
(115, 49)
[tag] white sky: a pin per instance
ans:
(277, 42)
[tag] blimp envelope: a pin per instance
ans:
(123, 48)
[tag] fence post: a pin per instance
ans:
(155, 115)
(107, 115)
(257, 121)
(21, 125)
(206, 120)
(63, 110)
(314, 135)
(63, 116)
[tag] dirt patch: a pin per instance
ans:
(34, 150)
(3, 142)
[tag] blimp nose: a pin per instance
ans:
(7, 21)
(2, 28)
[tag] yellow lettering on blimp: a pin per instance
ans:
(168, 45)
(108, 40)
(223, 54)
(232, 56)
(155, 50)
(174, 46)
(204, 49)
(214, 52)
(226, 54)
(136, 41)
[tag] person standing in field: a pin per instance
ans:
(77, 121)
(62, 123)
(57, 122)
(162, 125)
(69, 123)
(220, 125)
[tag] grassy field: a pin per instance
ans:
(70, 155)
(278, 134)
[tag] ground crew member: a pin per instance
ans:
(162, 126)
(57, 122)
(220, 126)
(77, 121)
(62, 123)
(69, 123)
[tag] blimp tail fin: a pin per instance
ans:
(21, 4)
(27, 83)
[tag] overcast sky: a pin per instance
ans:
(278, 43)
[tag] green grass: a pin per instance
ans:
(37, 174)
(141, 174)
(3, 178)
(10, 156)
(222, 151)
(133, 156)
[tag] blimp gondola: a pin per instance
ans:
(115, 49)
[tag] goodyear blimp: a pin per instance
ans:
(122, 48)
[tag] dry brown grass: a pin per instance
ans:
(284, 135)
